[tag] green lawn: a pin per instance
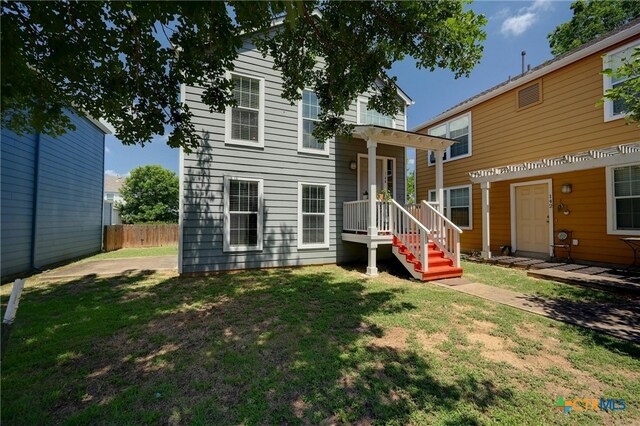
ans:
(315, 345)
(517, 280)
(135, 252)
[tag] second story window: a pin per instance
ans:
(309, 111)
(458, 129)
(370, 116)
(244, 122)
(616, 109)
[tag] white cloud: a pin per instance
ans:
(106, 149)
(412, 161)
(111, 173)
(524, 19)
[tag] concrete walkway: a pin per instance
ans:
(619, 320)
(113, 267)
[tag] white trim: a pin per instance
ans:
(326, 244)
(562, 168)
(378, 157)
(448, 150)
(362, 99)
(227, 247)
(512, 192)
(228, 140)
(301, 149)
(606, 80)
(181, 176)
(446, 190)
(611, 216)
(535, 74)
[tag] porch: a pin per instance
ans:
(422, 238)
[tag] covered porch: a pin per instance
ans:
(423, 239)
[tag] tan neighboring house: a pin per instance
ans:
(535, 156)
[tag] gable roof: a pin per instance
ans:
(599, 43)
(113, 183)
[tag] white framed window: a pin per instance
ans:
(110, 196)
(458, 205)
(244, 123)
(370, 116)
(308, 110)
(616, 110)
(458, 129)
(243, 207)
(623, 199)
(313, 215)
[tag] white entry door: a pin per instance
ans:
(385, 175)
(532, 218)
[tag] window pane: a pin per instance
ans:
(432, 196)
(459, 197)
(460, 147)
(459, 130)
(460, 216)
(619, 106)
(243, 196)
(310, 105)
(243, 230)
(628, 213)
(313, 229)
(627, 181)
(313, 214)
(390, 182)
(374, 117)
(244, 124)
(440, 131)
(246, 91)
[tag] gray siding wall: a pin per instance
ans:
(281, 167)
(67, 187)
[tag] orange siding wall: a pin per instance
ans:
(566, 121)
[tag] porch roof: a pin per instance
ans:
(390, 136)
(593, 158)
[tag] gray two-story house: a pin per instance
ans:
(262, 192)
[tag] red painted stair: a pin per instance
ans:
(439, 266)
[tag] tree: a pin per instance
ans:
(628, 92)
(150, 194)
(411, 187)
(124, 61)
(591, 18)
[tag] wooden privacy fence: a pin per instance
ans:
(123, 236)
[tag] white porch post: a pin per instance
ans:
(439, 181)
(486, 242)
(372, 230)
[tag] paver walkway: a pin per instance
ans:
(620, 320)
(113, 266)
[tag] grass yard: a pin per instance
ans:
(135, 252)
(315, 345)
(517, 280)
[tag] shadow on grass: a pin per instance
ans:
(283, 346)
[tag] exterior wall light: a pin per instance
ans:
(566, 188)
(353, 165)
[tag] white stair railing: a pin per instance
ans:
(413, 234)
(444, 233)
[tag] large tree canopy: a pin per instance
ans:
(591, 18)
(150, 194)
(124, 61)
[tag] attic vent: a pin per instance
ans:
(529, 95)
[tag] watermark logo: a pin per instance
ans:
(589, 404)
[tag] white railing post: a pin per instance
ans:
(424, 251)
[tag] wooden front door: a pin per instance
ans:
(532, 218)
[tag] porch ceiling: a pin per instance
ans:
(389, 136)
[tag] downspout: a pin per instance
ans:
(34, 208)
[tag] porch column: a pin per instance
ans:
(439, 181)
(486, 238)
(373, 190)
(372, 230)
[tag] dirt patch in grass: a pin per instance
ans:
(430, 342)
(394, 338)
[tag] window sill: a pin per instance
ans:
(614, 117)
(624, 232)
(324, 153)
(312, 246)
(246, 144)
(242, 249)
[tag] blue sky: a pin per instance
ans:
(513, 26)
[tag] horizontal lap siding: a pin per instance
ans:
(70, 182)
(281, 167)
(17, 173)
(587, 218)
(567, 121)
